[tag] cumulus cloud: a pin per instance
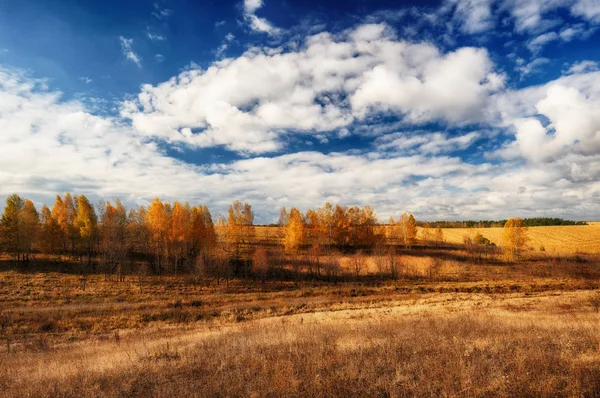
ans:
(447, 87)
(52, 146)
(574, 126)
(327, 84)
(128, 53)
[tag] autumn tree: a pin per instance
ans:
(515, 238)
(294, 231)
(50, 233)
(11, 224)
(240, 228)
(114, 239)
(70, 228)
(29, 229)
(407, 230)
(64, 212)
(86, 222)
(179, 233)
(157, 219)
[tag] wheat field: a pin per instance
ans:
(556, 239)
(568, 239)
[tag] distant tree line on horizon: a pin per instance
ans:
(527, 222)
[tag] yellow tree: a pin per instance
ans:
(407, 229)
(210, 235)
(515, 238)
(50, 233)
(86, 222)
(180, 231)
(11, 224)
(113, 238)
(30, 226)
(240, 229)
(366, 227)
(157, 220)
(59, 214)
(294, 231)
(341, 226)
(70, 228)
(325, 224)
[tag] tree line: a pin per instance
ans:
(526, 222)
(166, 237)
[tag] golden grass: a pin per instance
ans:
(556, 239)
(435, 345)
(472, 328)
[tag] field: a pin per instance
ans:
(449, 323)
(560, 239)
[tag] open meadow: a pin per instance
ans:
(448, 323)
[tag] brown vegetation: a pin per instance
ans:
(158, 301)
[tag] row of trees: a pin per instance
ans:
(526, 222)
(176, 237)
(165, 235)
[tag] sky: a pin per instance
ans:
(450, 110)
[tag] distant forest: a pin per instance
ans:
(527, 222)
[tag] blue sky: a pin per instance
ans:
(450, 110)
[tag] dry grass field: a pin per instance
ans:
(449, 325)
(449, 344)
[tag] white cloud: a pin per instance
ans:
(587, 9)
(578, 31)
(536, 44)
(85, 79)
(320, 88)
(50, 146)
(159, 58)
(257, 24)
(449, 87)
(155, 37)
(425, 143)
(250, 6)
(574, 126)
(531, 67)
(473, 16)
(128, 52)
(583, 67)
